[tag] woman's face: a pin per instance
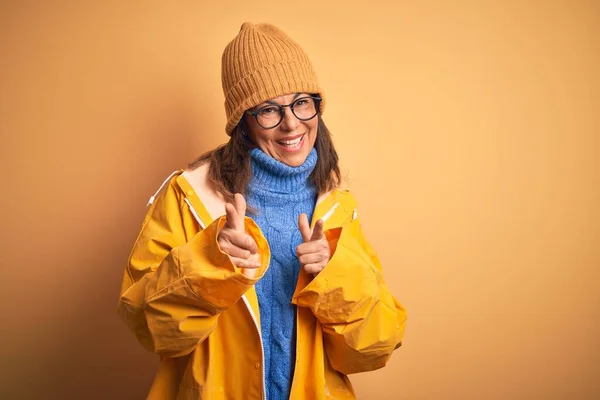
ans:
(291, 141)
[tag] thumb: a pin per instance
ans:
(304, 227)
(318, 231)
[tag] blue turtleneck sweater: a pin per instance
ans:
(280, 193)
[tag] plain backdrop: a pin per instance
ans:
(468, 131)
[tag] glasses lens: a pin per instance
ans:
(304, 108)
(268, 117)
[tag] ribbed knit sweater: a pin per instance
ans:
(279, 193)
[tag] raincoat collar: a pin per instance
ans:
(334, 206)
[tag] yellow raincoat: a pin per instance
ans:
(184, 300)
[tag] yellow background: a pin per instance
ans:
(468, 130)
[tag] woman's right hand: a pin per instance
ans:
(235, 242)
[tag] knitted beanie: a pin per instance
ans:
(261, 63)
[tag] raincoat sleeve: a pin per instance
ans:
(362, 322)
(173, 288)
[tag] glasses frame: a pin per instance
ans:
(281, 107)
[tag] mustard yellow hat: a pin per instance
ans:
(261, 63)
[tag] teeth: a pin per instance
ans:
(290, 143)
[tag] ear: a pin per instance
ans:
(244, 130)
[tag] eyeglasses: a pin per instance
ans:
(304, 108)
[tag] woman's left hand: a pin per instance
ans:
(314, 253)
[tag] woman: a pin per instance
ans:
(227, 280)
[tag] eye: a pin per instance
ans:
(268, 110)
(301, 102)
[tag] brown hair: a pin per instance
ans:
(229, 170)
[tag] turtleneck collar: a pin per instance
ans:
(274, 177)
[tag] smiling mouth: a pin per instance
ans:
(292, 144)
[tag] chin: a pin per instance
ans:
(295, 161)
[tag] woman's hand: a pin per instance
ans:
(314, 253)
(235, 242)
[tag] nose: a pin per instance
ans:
(289, 122)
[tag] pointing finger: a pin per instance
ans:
(240, 205)
(236, 212)
(232, 217)
(304, 227)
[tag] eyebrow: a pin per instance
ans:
(277, 104)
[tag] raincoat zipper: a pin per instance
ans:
(262, 351)
(195, 214)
